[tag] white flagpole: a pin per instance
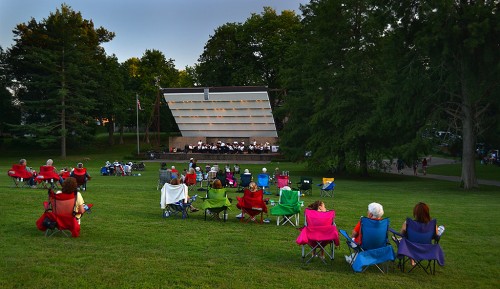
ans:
(137, 110)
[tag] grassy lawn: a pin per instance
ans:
(125, 243)
(486, 172)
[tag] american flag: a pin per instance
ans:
(139, 104)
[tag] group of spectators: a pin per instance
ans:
(221, 147)
(117, 168)
(50, 169)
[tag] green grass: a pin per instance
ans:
(486, 172)
(125, 243)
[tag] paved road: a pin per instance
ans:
(441, 161)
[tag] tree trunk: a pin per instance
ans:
(468, 179)
(121, 134)
(63, 107)
(363, 165)
(111, 131)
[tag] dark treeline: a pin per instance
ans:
(353, 82)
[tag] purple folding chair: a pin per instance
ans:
(420, 245)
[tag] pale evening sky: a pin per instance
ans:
(178, 28)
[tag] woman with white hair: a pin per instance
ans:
(375, 211)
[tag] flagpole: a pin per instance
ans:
(137, 110)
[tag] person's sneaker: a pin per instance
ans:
(267, 221)
(348, 259)
(33, 187)
(239, 216)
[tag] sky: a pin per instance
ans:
(178, 28)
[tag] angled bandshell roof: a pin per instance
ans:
(221, 111)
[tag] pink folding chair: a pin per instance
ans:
(318, 232)
(282, 181)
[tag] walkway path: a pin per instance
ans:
(442, 161)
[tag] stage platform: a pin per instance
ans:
(219, 158)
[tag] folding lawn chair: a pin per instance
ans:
(263, 182)
(374, 248)
(282, 181)
(47, 177)
(59, 215)
(288, 208)
(327, 187)
(245, 180)
(305, 185)
(215, 202)
(80, 174)
(190, 180)
(319, 233)
(174, 200)
(252, 205)
(419, 245)
(20, 175)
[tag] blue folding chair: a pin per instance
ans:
(421, 245)
(263, 182)
(327, 187)
(374, 248)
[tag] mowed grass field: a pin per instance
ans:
(125, 242)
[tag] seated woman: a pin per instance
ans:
(70, 186)
(176, 181)
(421, 214)
(375, 211)
(320, 207)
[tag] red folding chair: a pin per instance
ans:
(81, 176)
(20, 175)
(59, 215)
(47, 177)
(252, 205)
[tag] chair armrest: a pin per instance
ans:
(350, 242)
(396, 236)
(395, 232)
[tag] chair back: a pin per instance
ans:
(246, 179)
(19, 171)
(329, 186)
(263, 180)
(305, 183)
(212, 175)
(171, 194)
(216, 193)
(282, 181)
(289, 197)
(374, 233)
(165, 175)
(48, 172)
(80, 171)
(190, 179)
(199, 176)
(421, 233)
(65, 175)
(253, 199)
(315, 218)
(63, 205)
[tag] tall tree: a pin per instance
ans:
(155, 71)
(54, 60)
(338, 68)
(250, 53)
(110, 92)
(456, 44)
(10, 112)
